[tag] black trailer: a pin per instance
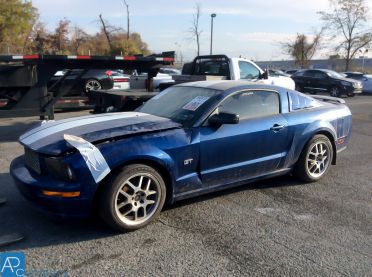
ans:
(24, 78)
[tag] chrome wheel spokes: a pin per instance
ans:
(318, 159)
(92, 85)
(137, 199)
(334, 92)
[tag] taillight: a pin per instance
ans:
(108, 73)
(121, 80)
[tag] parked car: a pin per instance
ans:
(170, 71)
(291, 71)
(191, 139)
(277, 72)
(93, 79)
(366, 80)
(121, 81)
(324, 80)
(139, 81)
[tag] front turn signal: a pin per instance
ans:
(61, 194)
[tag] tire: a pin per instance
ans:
(315, 159)
(133, 198)
(335, 92)
(92, 84)
(351, 94)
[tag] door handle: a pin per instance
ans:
(277, 127)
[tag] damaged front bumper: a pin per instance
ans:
(33, 187)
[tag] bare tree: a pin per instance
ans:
(127, 7)
(79, 37)
(195, 30)
(108, 30)
(348, 19)
(60, 39)
(303, 49)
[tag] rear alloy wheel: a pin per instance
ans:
(133, 198)
(92, 84)
(315, 159)
(335, 92)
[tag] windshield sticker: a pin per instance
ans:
(195, 103)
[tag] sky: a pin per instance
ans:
(249, 28)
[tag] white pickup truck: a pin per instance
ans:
(222, 67)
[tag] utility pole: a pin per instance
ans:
(213, 15)
(127, 6)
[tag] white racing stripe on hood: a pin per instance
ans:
(44, 132)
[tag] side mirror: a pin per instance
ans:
(223, 118)
(265, 75)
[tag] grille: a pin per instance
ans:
(32, 160)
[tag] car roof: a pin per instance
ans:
(224, 85)
(353, 72)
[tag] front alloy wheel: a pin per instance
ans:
(133, 198)
(138, 198)
(335, 92)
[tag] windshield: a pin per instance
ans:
(183, 105)
(334, 74)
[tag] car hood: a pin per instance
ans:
(353, 81)
(48, 138)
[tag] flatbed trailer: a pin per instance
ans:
(24, 79)
(118, 100)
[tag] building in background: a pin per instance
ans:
(361, 64)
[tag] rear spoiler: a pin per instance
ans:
(328, 99)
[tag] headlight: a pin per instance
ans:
(344, 83)
(357, 85)
(59, 169)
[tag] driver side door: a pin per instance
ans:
(253, 147)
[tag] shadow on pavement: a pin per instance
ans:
(18, 216)
(11, 132)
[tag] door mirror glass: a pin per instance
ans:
(223, 118)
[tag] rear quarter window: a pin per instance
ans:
(298, 101)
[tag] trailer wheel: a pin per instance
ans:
(92, 84)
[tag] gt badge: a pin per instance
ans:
(188, 161)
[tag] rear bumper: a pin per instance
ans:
(31, 188)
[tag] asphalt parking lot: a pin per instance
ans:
(274, 227)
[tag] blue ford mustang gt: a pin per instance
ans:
(188, 140)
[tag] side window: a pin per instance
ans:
(309, 73)
(298, 73)
(214, 68)
(251, 104)
(320, 75)
(248, 71)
